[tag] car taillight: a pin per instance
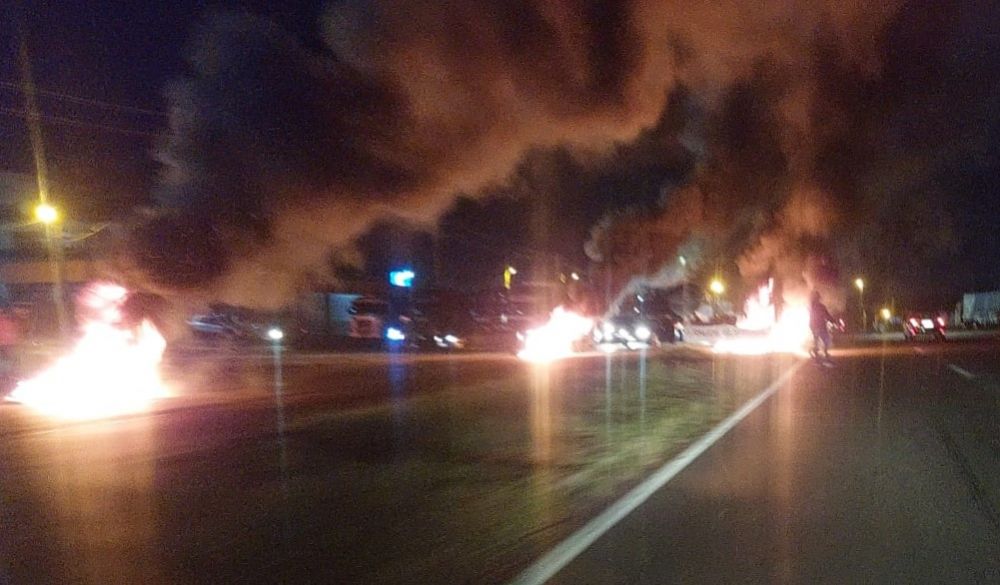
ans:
(914, 322)
(940, 321)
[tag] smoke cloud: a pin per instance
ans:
(278, 151)
(281, 148)
(776, 141)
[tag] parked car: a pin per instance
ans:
(669, 327)
(223, 327)
(918, 325)
(220, 327)
(626, 331)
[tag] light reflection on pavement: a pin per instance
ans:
(364, 468)
(883, 469)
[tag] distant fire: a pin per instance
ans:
(113, 368)
(766, 332)
(555, 339)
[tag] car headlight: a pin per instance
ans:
(608, 330)
(451, 339)
(624, 334)
(642, 333)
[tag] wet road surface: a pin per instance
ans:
(885, 469)
(354, 469)
(467, 468)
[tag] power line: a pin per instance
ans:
(78, 123)
(85, 101)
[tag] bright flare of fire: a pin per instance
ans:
(555, 339)
(766, 333)
(113, 369)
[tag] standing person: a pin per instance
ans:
(819, 317)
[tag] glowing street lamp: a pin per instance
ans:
(716, 287)
(46, 214)
(859, 283)
(275, 334)
(684, 287)
(508, 276)
(886, 313)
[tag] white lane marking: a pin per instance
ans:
(563, 553)
(961, 372)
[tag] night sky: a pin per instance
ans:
(120, 53)
(929, 125)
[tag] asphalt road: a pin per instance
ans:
(468, 468)
(885, 469)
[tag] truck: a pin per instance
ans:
(981, 309)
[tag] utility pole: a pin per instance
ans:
(53, 229)
(684, 289)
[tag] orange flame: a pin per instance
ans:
(769, 333)
(555, 339)
(113, 369)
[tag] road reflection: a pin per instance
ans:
(541, 415)
(95, 486)
(785, 438)
(316, 472)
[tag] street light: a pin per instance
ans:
(46, 214)
(886, 313)
(717, 288)
(276, 335)
(508, 276)
(684, 288)
(859, 283)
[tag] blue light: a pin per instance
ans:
(402, 278)
(393, 334)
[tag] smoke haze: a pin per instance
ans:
(278, 151)
(281, 148)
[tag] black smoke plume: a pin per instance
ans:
(278, 150)
(855, 155)
(281, 148)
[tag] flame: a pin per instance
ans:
(112, 369)
(555, 339)
(768, 333)
(759, 313)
